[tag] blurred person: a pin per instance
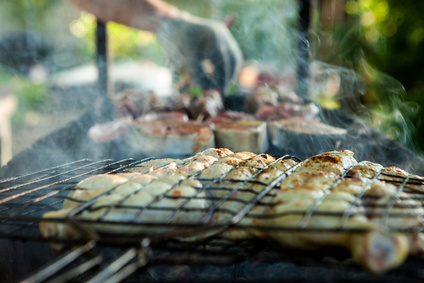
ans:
(201, 48)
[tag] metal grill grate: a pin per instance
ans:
(24, 200)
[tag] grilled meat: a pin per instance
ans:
(115, 129)
(297, 133)
(262, 97)
(170, 136)
(242, 135)
(109, 131)
(229, 116)
(326, 201)
(209, 104)
(310, 199)
(288, 110)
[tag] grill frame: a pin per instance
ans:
(70, 143)
(64, 177)
(58, 185)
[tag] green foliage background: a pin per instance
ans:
(384, 41)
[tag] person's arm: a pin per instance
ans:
(141, 14)
(189, 41)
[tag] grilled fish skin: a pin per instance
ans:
(327, 200)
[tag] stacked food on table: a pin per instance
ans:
(193, 119)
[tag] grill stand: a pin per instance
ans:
(303, 56)
(105, 108)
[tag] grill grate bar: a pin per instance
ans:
(318, 201)
(115, 266)
(357, 200)
(87, 205)
(49, 185)
(52, 175)
(124, 273)
(75, 272)
(23, 227)
(242, 213)
(60, 263)
(247, 208)
(187, 199)
(204, 189)
(38, 173)
(385, 218)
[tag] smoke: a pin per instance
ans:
(390, 112)
(332, 85)
(267, 32)
(377, 100)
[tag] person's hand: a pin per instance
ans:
(203, 49)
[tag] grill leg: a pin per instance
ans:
(105, 107)
(303, 56)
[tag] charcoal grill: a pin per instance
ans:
(138, 256)
(25, 196)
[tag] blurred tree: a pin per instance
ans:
(29, 13)
(265, 30)
(400, 54)
(383, 40)
(125, 42)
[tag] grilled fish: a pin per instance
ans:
(326, 201)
